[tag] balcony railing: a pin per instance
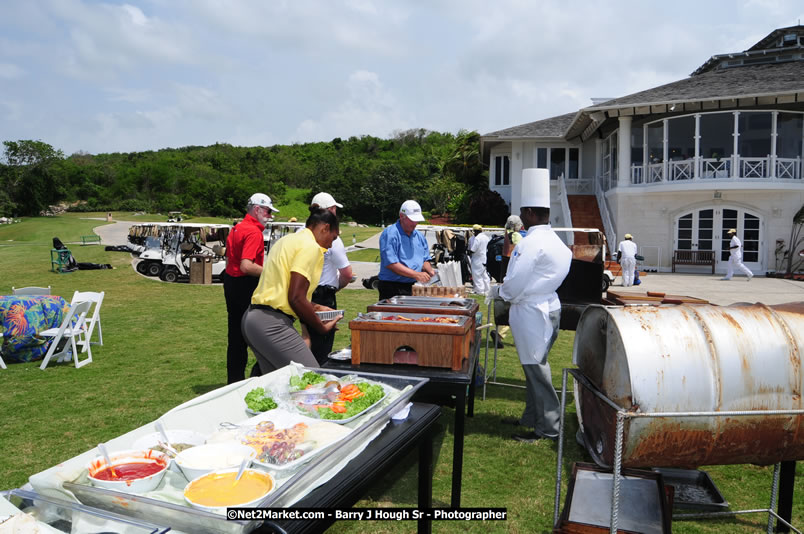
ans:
(769, 168)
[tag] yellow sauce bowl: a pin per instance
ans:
(219, 489)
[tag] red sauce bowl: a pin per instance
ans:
(135, 471)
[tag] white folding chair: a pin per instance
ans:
(97, 299)
(69, 330)
(31, 290)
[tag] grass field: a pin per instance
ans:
(165, 344)
(365, 254)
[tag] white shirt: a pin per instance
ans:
(539, 264)
(334, 259)
(478, 244)
(627, 248)
(735, 252)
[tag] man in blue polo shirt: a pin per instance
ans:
(404, 254)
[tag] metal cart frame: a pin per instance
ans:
(622, 415)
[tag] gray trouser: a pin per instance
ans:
(275, 342)
(542, 408)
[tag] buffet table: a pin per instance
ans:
(371, 442)
(22, 317)
(445, 387)
(396, 440)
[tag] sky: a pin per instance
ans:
(108, 76)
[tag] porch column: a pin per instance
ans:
(517, 156)
(624, 152)
(697, 168)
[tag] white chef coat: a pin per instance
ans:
(627, 248)
(334, 259)
(736, 253)
(539, 264)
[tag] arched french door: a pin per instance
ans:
(707, 229)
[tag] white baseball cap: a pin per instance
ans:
(412, 210)
(325, 200)
(259, 199)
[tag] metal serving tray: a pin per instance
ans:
(188, 519)
(403, 300)
(694, 490)
(64, 516)
(379, 317)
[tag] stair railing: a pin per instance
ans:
(603, 207)
(565, 209)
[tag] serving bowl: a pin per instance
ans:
(136, 471)
(217, 490)
(176, 437)
(204, 459)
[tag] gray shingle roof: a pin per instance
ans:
(552, 127)
(738, 82)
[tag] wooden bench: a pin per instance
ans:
(90, 239)
(694, 257)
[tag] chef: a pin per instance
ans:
(736, 257)
(478, 244)
(626, 256)
(539, 263)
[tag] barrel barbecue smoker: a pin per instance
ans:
(701, 358)
(689, 385)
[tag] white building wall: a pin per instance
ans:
(650, 217)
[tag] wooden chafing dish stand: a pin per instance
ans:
(428, 305)
(377, 336)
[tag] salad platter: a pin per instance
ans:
(323, 397)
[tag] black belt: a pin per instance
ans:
(332, 289)
(271, 308)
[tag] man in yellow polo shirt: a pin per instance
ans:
(289, 276)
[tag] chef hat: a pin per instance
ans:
(535, 188)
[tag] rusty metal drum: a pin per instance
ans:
(692, 358)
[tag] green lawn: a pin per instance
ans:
(364, 254)
(166, 343)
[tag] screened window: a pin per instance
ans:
(788, 140)
(729, 221)
(681, 138)
(502, 170)
(637, 145)
(717, 135)
(755, 134)
(655, 144)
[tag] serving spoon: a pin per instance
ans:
(242, 469)
(105, 453)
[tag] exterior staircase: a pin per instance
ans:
(585, 214)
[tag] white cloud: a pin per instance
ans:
(369, 109)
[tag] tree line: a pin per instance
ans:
(444, 172)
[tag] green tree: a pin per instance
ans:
(30, 183)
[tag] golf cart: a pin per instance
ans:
(170, 248)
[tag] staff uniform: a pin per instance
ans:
(398, 247)
(268, 324)
(478, 245)
(334, 260)
(736, 259)
(627, 250)
(244, 242)
(538, 266)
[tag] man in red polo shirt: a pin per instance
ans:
(245, 252)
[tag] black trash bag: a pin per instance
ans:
(93, 266)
